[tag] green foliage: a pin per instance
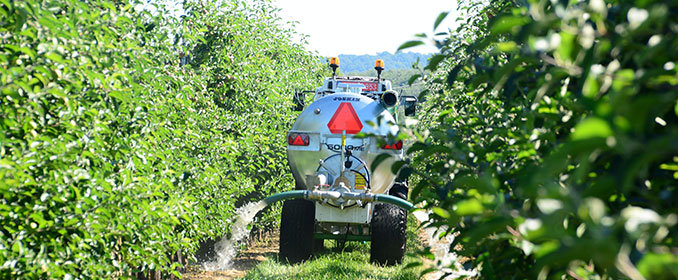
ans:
(112, 155)
(659, 266)
(549, 141)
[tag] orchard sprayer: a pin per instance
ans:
(351, 124)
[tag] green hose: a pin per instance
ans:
(394, 200)
(285, 195)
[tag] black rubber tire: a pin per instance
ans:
(296, 230)
(399, 190)
(318, 245)
(389, 226)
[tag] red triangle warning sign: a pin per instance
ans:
(345, 118)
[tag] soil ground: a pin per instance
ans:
(256, 252)
(266, 247)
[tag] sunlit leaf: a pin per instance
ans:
(591, 128)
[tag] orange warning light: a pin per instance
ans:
(334, 61)
(379, 64)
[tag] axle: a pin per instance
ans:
(334, 195)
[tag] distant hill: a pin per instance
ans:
(359, 63)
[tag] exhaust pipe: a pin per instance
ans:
(389, 98)
(334, 195)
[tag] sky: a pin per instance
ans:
(365, 26)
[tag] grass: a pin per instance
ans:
(351, 262)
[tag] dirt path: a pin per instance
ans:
(443, 257)
(256, 252)
(267, 247)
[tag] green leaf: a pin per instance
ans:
(20, 18)
(485, 184)
(5, 163)
(409, 44)
(623, 79)
(669, 166)
(567, 46)
(414, 194)
(427, 271)
(508, 23)
(54, 57)
(441, 212)
(509, 46)
(434, 61)
(404, 173)
(440, 19)
(426, 253)
(417, 76)
(416, 146)
(397, 165)
(37, 216)
(591, 127)
(546, 248)
(469, 207)
(658, 266)
(378, 160)
(413, 264)
(591, 86)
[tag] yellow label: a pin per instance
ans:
(359, 183)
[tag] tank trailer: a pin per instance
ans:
(330, 149)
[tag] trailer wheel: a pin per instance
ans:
(318, 245)
(296, 230)
(389, 226)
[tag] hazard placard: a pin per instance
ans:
(345, 119)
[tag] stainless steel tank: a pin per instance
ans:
(315, 141)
